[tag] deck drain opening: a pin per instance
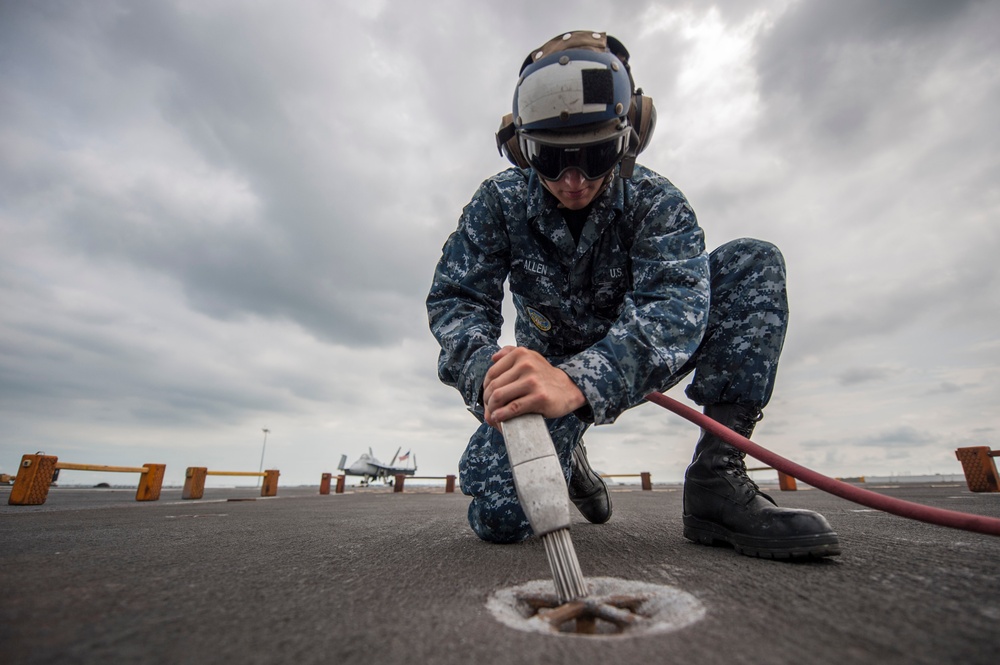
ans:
(610, 616)
(614, 609)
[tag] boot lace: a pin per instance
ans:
(746, 419)
(736, 467)
(734, 460)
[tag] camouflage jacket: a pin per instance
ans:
(619, 312)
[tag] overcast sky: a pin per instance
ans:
(219, 217)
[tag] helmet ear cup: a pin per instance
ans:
(642, 118)
(507, 142)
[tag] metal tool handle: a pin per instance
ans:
(541, 488)
(538, 476)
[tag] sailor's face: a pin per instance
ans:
(573, 190)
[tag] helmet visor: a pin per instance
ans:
(551, 159)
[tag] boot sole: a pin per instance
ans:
(815, 546)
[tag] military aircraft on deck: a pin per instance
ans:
(369, 468)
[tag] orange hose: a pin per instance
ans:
(908, 509)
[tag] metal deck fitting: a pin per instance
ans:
(614, 608)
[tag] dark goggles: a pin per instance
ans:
(595, 160)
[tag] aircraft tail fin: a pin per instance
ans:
(343, 462)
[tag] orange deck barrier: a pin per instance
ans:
(646, 478)
(786, 483)
(326, 480)
(194, 481)
(400, 481)
(980, 469)
(31, 485)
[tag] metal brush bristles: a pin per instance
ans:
(566, 572)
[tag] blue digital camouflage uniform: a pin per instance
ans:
(633, 307)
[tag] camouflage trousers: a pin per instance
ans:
(736, 362)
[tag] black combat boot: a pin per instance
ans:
(723, 505)
(587, 489)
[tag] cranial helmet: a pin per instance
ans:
(576, 106)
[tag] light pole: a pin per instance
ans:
(262, 449)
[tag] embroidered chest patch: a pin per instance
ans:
(538, 320)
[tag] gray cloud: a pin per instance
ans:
(901, 437)
(825, 62)
(946, 388)
(219, 217)
(855, 375)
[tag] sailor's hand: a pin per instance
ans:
(522, 381)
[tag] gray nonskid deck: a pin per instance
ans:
(372, 576)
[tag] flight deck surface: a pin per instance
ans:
(374, 576)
